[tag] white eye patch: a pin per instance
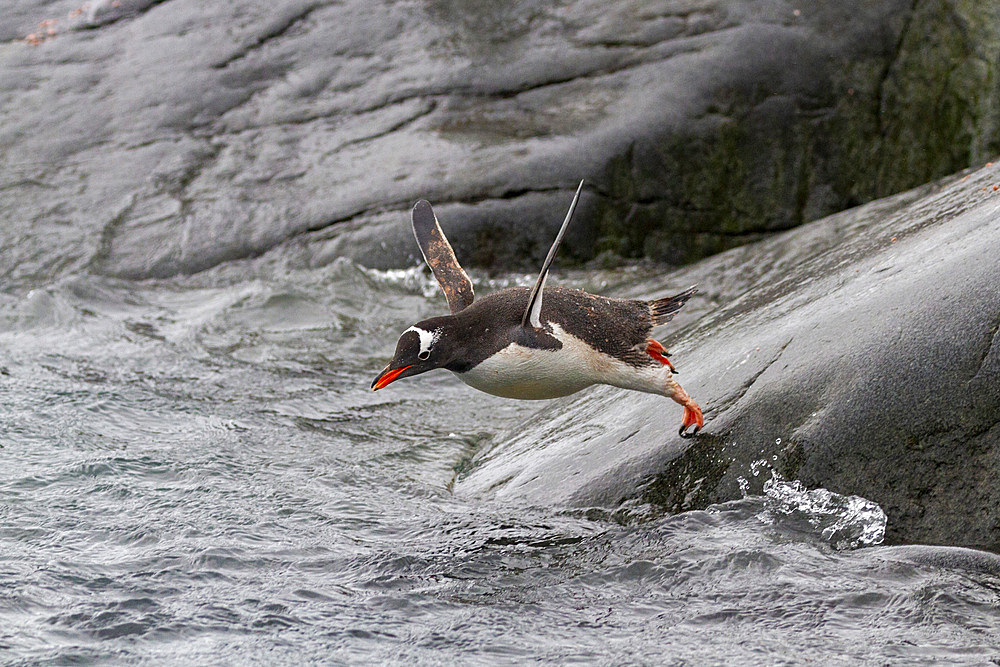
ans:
(427, 339)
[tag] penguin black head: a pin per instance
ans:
(421, 348)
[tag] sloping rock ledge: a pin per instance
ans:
(860, 353)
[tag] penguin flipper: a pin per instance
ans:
(441, 258)
(533, 312)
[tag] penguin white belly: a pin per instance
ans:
(530, 373)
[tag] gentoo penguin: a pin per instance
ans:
(537, 343)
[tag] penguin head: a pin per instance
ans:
(421, 348)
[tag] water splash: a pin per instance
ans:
(419, 279)
(845, 522)
(505, 281)
(414, 279)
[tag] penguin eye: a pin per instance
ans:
(423, 355)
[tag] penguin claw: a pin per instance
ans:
(692, 417)
(690, 434)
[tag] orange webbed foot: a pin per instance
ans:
(692, 417)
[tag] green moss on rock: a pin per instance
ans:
(760, 162)
(929, 110)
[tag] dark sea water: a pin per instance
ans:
(195, 471)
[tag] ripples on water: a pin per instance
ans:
(195, 471)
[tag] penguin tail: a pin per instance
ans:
(663, 310)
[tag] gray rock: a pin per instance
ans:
(148, 138)
(859, 353)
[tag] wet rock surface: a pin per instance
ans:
(148, 139)
(859, 353)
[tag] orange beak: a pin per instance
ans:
(388, 376)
